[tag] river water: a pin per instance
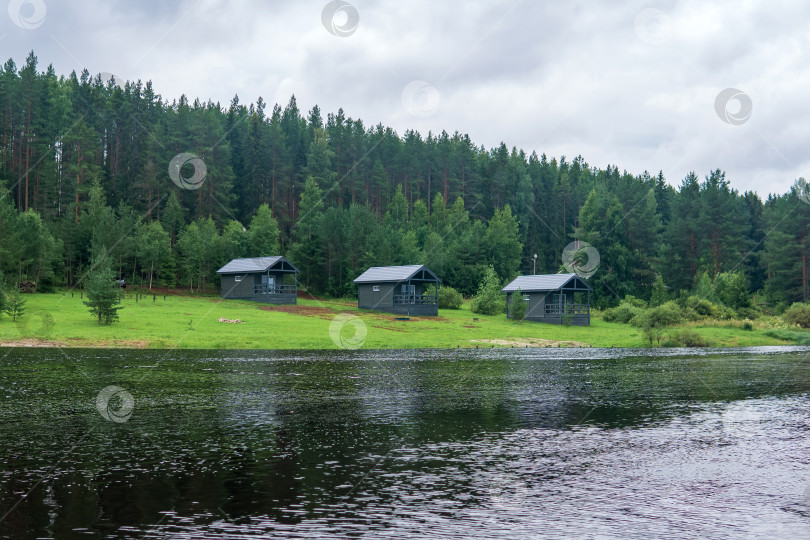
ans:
(509, 443)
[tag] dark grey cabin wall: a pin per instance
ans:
(536, 310)
(574, 320)
(237, 289)
(243, 290)
(383, 300)
(367, 298)
(417, 310)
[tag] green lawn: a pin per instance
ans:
(192, 322)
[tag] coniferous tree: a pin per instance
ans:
(519, 306)
(489, 300)
(659, 293)
(83, 161)
(14, 305)
(263, 233)
(103, 294)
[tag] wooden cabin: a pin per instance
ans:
(273, 280)
(553, 298)
(399, 289)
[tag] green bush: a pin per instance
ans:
(667, 314)
(704, 288)
(519, 306)
(799, 314)
(623, 313)
(726, 313)
(686, 338)
(702, 307)
(748, 313)
(653, 321)
(690, 314)
(633, 301)
(489, 300)
(449, 298)
(731, 288)
(747, 326)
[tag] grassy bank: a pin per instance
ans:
(182, 321)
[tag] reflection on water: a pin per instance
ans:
(399, 444)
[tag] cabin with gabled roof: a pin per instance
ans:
(399, 289)
(273, 280)
(553, 298)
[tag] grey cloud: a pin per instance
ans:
(556, 77)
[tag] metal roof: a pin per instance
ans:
(542, 282)
(391, 273)
(254, 264)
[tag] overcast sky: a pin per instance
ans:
(633, 84)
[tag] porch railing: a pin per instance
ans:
(274, 289)
(568, 309)
(415, 299)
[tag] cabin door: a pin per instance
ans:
(269, 282)
(409, 291)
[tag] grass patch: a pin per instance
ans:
(796, 337)
(186, 321)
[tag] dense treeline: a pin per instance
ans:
(84, 167)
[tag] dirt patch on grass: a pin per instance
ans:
(306, 311)
(32, 343)
(124, 344)
(389, 328)
(329, 313)
(78, 342)
(531, 342)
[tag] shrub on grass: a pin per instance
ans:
(726, 313)
(748, 313)
(625, 311)
(633, 301)
(686, 338)
(654, 321)
(798, 314)
(449, 298)
(731, 288)
(702, 307)
(690, 314)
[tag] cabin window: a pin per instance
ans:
(409, 289)
(237, 278)
(375, 288)
(526, 297)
